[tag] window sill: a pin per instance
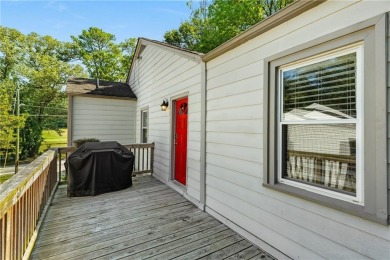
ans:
(350, 208)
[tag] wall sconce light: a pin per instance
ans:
(164, 104)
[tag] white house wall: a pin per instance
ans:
(104, 118)
(234, 134)
(160, 74)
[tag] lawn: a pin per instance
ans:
(53, 139)
(5, 177)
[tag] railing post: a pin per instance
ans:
(152, 158)
(66, 168)
(142, 165)
(8, 236)
(59, 164)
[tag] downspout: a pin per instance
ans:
(203, 112)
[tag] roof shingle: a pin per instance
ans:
(79, 86)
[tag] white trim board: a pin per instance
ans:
(182, 191)
(247, 235)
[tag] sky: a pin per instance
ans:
(123, 18)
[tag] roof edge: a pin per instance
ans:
(192, 55)
(173, 48)
(136, 53)
(285, 14)
(100, 96)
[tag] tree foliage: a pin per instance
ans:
(102, 57)
(212, 24)
(46, 71)
(39, 66)
(8, 120)
(12, 52)
(272, 6)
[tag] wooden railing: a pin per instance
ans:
(329, 170)
(23, 200)
(25, 197)
(144, 155)
(143, 161)
(63, 154)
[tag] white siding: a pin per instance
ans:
(104, 118)
(163, 74)
(234, 171)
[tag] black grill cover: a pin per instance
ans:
(99, 167)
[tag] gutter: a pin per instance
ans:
(280, 17)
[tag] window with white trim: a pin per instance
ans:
(319, 119)
(144, 125)
(325, 121)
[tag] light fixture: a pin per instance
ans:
(164, 104)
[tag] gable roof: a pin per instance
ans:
(82, 86)
(143, 42)
(170, 47)
(291, 11)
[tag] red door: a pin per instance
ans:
(181, 115)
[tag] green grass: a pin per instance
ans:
(5, 177)
(53, 139)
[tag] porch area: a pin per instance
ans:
(148, 220)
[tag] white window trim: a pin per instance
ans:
(146, 110)
(357, 48)
(372, 33)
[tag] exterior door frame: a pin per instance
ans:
(173, 129)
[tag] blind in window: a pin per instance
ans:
(324, 90)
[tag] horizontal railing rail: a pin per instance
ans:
(143, 161)
(325, 156)
(23, 201)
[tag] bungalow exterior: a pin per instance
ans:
(100, 109)
(161, 72)
(282, 132)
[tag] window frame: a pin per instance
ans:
(142, 127)
(374, 147)
(358, 121)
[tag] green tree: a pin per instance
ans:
(228, 18)
(45, 73)
(189, 33)
(128, 48)
(40, 66)
(272, 6)
(102, 57)
(12, 50)
(212, 24)
(8, 120)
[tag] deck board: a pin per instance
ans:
(148, 220)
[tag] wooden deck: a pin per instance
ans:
(148, 220)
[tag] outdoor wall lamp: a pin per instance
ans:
(164, 104)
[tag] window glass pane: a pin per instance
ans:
(321, 155)
(144, 126)
(144, 135)
(144, 118)
(324, 90)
